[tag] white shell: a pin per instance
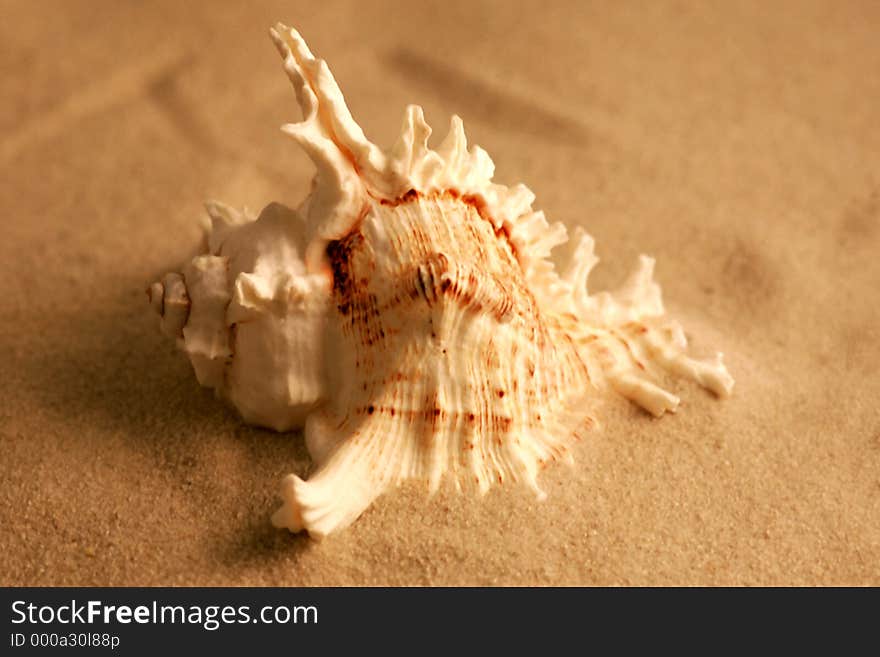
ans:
(408, 315)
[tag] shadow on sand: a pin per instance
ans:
(104, 369)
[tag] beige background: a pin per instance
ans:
(738, 142)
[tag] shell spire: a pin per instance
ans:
(410, 318)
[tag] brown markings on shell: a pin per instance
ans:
(476, 202)
(444, 249)
(434, 276)
(338, 252)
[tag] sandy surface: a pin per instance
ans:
(739, 145)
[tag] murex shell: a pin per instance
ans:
(409, 317)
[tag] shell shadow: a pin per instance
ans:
(103, 366)
(260, 544)
(103, 369)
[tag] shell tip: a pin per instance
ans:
(289, 516)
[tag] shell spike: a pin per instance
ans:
(579, 260)
(225, 214)
(336, 120)
(336, 494)
(480, 168)
(221, 220)
(640, 291)
(453, 148)
(291, 37)
(305, 96)
(412, 143)
(582, 260)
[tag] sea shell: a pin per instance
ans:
(409, 316)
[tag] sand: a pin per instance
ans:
(738, 143)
